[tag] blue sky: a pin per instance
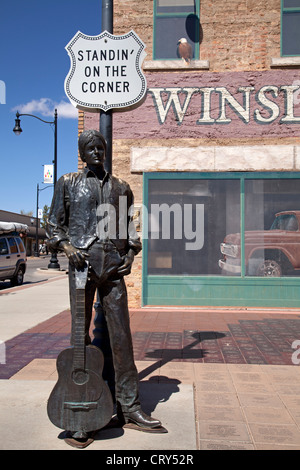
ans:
(33, 67)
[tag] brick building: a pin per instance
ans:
(213, 152)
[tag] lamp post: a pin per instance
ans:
(38, 190)
(37, 251)
(17, 130)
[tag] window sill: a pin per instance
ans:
(175, 65)
(285, 61)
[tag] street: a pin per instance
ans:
(37, 271)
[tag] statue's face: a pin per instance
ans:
(94, 152)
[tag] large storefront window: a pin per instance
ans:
(271, 233)
(222, 239)
(272, 236)
(187, 220)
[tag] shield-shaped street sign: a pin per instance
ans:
(105, 71)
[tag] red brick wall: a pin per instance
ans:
(237, 34)
(240, 34)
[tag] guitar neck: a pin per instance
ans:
(79, 333)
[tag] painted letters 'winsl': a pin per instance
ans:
(264, 108)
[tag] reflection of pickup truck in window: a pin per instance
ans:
(273, 252)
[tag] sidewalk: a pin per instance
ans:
(217, 378)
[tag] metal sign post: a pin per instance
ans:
(100, 332)
(105, 74)
(106, 118)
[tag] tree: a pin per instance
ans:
(29, 213)
(44, 218)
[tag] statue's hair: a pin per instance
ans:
(86, 137)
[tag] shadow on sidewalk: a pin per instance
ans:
(167, 355)
(6, 285)
(152, 394)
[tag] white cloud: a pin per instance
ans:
(46, 107)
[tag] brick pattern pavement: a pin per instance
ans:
(246, 388)
(251, 340)
(45, 340)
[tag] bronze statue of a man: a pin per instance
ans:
(83, 223)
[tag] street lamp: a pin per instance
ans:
(38, 190)
(17, 130)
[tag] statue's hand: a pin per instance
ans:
(75, 256)
(125, 268)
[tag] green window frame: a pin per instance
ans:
(217, 290)
(167, 14)
(288, 8)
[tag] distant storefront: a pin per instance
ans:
(29, 239)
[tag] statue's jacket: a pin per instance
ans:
(85, 209)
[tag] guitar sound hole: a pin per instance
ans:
(80, 377)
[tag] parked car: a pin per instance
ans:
(12, 253)
(268, 253)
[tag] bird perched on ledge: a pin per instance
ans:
(185, 51)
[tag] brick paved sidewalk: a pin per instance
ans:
(229, 337)
(240, 362)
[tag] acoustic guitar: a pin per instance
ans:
(80, 400)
